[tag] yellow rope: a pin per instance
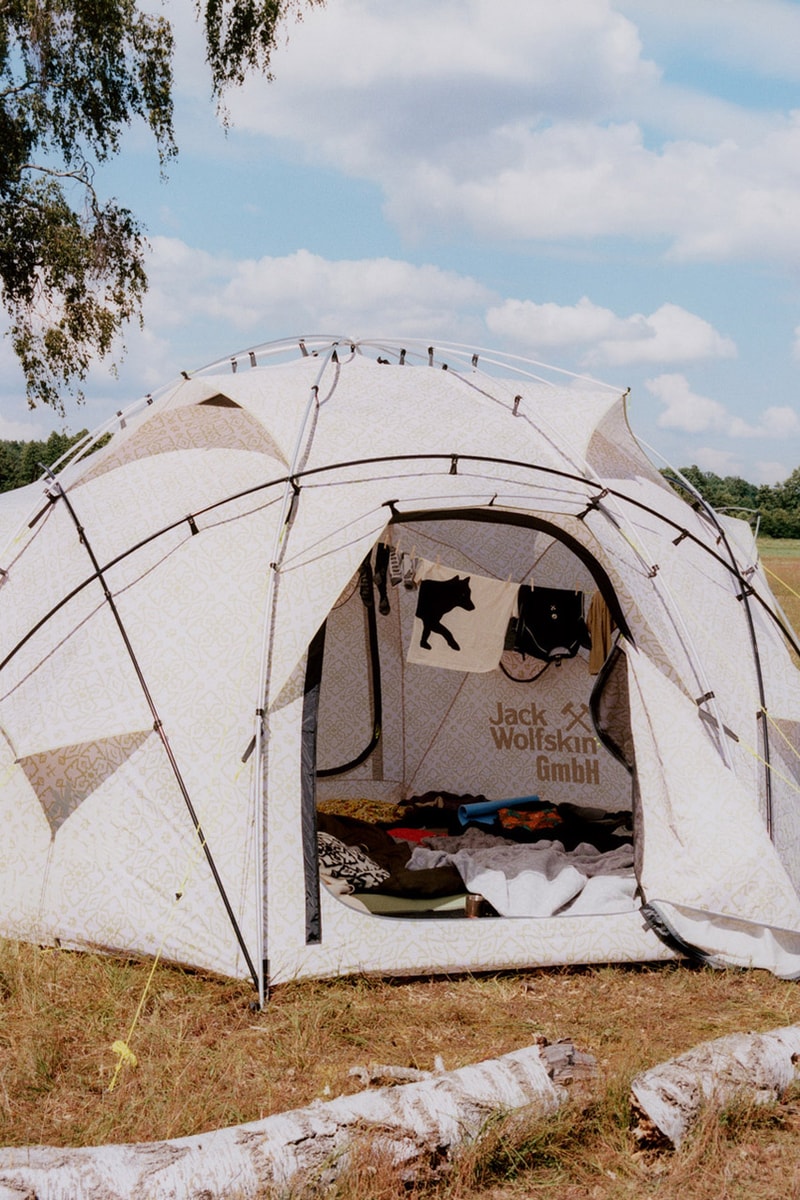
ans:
(122, 1049)
(793, 784)
(782, 582)
(783, 736)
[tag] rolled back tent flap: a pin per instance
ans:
(191, 662)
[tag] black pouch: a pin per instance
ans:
(550, 624)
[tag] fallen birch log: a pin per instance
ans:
(412, 1125)
(668, 1099)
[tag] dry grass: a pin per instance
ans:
(781, 558)
(205, 1059)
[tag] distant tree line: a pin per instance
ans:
(776, 507)
(21, 462)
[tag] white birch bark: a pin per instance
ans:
(669, 1097)
(413, 1124)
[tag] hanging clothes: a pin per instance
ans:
(601, 629)
(461, 620)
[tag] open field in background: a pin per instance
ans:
(206, 1059)
(781, 558)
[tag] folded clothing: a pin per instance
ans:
(393, 857)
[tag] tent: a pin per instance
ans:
(196, 658)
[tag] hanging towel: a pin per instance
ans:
(601, 627)
(461, 619)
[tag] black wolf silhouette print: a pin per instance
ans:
(436, 599)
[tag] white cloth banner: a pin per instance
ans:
(461, 620)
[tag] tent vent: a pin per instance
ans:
(219, 401)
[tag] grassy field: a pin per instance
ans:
(205, 1058)
(781, 560)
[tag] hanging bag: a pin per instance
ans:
(550, 624)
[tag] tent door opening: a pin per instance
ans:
(400, 744)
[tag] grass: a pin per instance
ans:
(781, 560)
(206, 1059)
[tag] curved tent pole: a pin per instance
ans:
(618, 518)
(288, 502)
(744, 596)
(158, 725)
(684, 534)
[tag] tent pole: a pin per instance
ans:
(158, 725)
(288, 502)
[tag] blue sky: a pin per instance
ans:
(611, 186)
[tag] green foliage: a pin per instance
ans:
(777, 508)
(21, 462)
(240, 35)
(732, 492)
(74, 75)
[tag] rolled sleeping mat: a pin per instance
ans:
(484, 812)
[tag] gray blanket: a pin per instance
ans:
(535, 879)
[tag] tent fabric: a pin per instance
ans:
(159, 759)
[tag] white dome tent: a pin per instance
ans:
(191, 662)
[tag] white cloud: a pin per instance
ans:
(304, 291)
(760, 35)
(538, 121)
(776, 422)
(14, 430)
(688, 412)
(721, 462)
(669, 335)
(685, 410)
(453, 51)
(781, 421)
(770, 472)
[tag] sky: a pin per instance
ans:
(609, 186)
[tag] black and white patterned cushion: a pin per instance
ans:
(349, 863)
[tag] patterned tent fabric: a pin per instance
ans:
(162, 750)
